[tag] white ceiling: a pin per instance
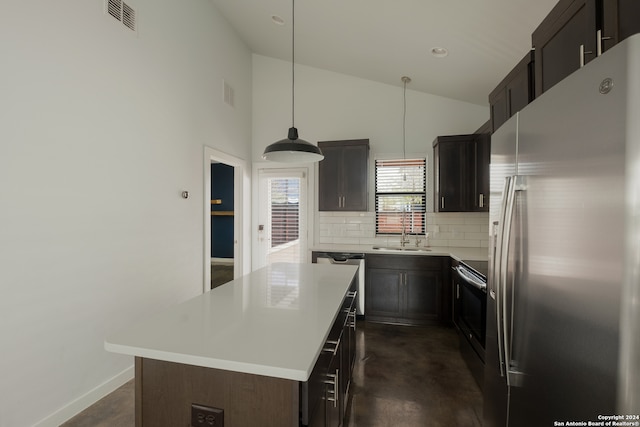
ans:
(383, 40)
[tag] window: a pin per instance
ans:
(400, 196)
(284, 210)
(284, 194)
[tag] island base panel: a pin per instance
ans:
(165, 392)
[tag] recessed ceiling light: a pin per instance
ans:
(439, 52)
(277, 20)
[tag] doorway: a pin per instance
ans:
(282, 216)
(222, 214)
(225, 216)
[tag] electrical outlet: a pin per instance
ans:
(206, 416)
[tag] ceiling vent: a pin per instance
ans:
(122, 12)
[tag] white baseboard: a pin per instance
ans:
(83, 402)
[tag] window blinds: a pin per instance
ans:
(400, 196)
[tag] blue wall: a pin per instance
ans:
(222, 226)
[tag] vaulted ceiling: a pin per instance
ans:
(383, 40)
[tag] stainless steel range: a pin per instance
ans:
(469, 312)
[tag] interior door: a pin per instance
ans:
(282, 229)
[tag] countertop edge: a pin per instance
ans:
(457, 253)
(207, 362)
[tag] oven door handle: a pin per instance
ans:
(470, 279)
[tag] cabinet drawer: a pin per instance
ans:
(406, 262)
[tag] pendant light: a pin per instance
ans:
(292, 149)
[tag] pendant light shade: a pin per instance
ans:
(292, 149)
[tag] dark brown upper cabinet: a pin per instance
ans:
(343, 175)
(513, 93)
(461, 172)
(624, 16)
(482, 157)
(577, 31)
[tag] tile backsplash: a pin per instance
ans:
(459, 229)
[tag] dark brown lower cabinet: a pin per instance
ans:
(165, 391)
(333, 370)
(407, 289)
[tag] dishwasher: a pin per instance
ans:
(349, 259)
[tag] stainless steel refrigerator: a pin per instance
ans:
(563, 309)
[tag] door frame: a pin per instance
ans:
(241, 218)
(310, 172)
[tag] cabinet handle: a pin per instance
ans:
(442, 202)
(332, 380)
(582, 54)
(600, 40)
(352, 294)
(353, 319)
(333, 350)
(481, 200)
(457, 291)
(344, 201)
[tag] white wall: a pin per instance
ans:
(332, 106)
(100, 131)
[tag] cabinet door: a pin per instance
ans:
(520, 89)
(498, 105)
(627, 13)
(407, 289)
(329, 178)
(316, 393)
(513, 93)
(382, 292)
(482, 156)
(343, 175)
(355, 177)
(422, 293)
(565, 38)
(452, 173)
(333, 416)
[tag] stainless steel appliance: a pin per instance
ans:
(469, 312)
(471, 305)
(563, 313)
(349, 258)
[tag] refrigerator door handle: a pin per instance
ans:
(498, 273)
(503, 304)
(514, 377)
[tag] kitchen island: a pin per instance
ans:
(248, 348)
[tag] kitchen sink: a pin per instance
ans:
(401, 248)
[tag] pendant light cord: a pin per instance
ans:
(405, 80)
(404, 118)
(293, 61)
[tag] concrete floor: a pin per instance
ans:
(412, 377)
(404, 376)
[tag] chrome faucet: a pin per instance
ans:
(404, 239)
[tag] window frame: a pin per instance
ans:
(422, 194)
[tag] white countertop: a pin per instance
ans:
(459, 253)
(273, 321)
